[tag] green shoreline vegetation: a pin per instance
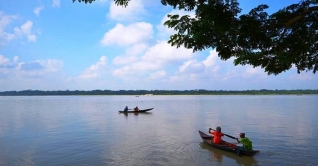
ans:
(158, 92)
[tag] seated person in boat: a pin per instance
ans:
(126, 109)
(247, 143)
(136, 109)
(217, 135)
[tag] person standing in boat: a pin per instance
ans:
(217, 135)
(247, 143)
(136, 109)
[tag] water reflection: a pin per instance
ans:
(136, 113)
(221, 156)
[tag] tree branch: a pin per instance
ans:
(301, 15)
(292, 21)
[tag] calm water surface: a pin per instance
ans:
(88, 130)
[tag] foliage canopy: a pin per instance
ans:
(274, 42)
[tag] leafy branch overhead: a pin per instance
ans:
(274, 41)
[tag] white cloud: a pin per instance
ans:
(158, 74)
(130, 55)
(251, 71)
(185, 65)
(37, 10)
(93, 71)
(39, 67)
(157, 57)
(302, 76)
(32, 38)
(5, 21)
(191, 66)
(4, 61)
(56, 3)
(194, 71)
(52, 65)
(15, 59)
(211, 59)
(6, 66)
(37, 74)
(176, 78)
(24, 30)
(130, 13)
(212, 64)
(128, 35)
(129, 70)
(26, 27)
(31, 68)
(163, 53)
(229, 75)
(125, 59)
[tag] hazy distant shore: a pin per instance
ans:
(158, 92)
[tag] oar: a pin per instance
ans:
(225, 134)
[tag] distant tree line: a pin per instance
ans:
(158, 92)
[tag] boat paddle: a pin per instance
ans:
(224, 134)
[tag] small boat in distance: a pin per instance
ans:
(140, 111)
(227, 147)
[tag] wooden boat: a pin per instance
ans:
(140, 111)
(226, 146)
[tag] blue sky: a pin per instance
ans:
(60, 45)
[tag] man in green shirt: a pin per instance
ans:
(247, 143)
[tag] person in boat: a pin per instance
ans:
(247, 143)
(126, 109)
(136, 109)
(217, 135)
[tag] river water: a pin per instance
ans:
(88, 130)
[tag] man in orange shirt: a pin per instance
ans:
(217, 135)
